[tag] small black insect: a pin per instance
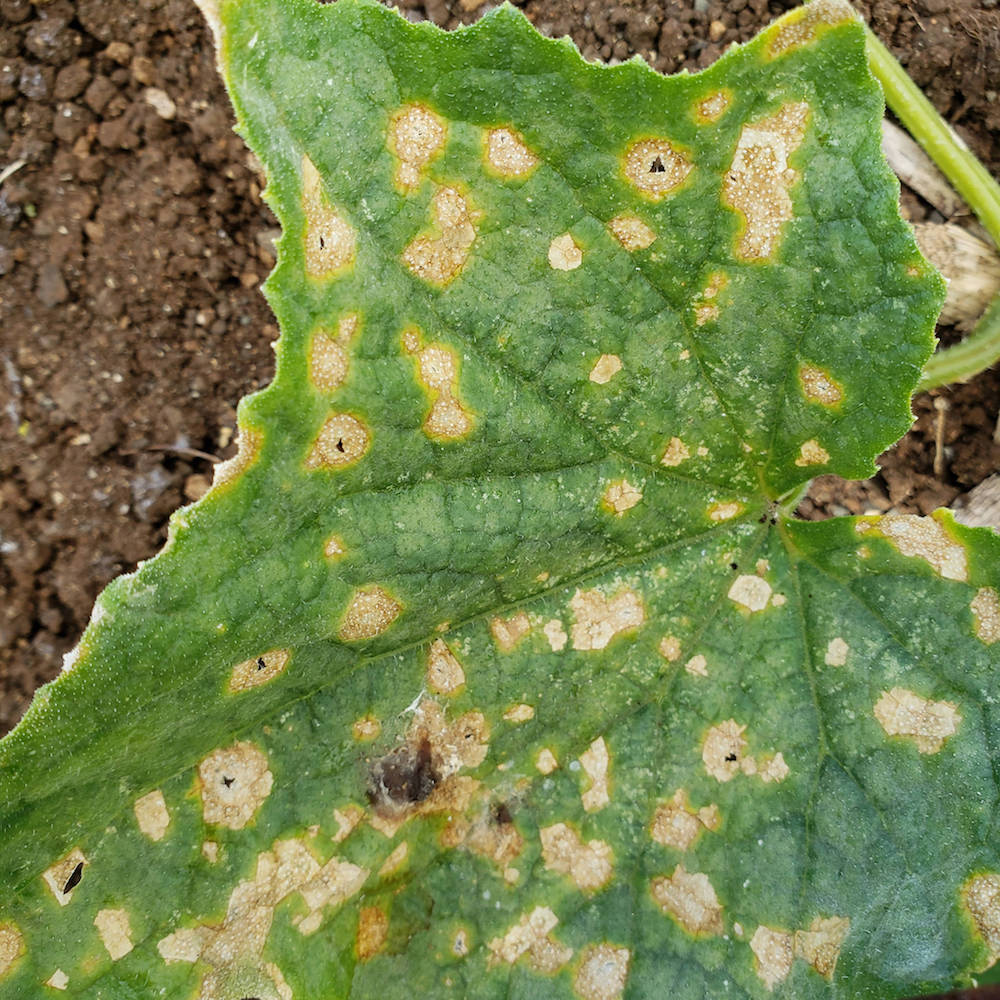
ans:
(731, 757)
(74, 880)
(657, 167)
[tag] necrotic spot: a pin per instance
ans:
(404, 777)
(74, 880)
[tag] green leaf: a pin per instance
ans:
(496, 664)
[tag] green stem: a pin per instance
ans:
(972, 181)
(954, 159)
(978, 351)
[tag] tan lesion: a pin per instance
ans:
(258, 670)
(506, 153)
(602, 972)
(985, 608)
(803, 25)
(11, 947)
(621, 496)
(655, 167)
(819, 386)
(599, 618)
(342, 440)
(329, 242)
(328, 353)
(677, 824)
(631, 232)
(587, 864)
(445, 674)
(712, 107)
(811, 452)
(981, 896)
(65, 875)
(759, 179)
(373, 929)
(531, 936)
(928, 723)
(416, 136)
(438, 257)
(818, 945)
(437, 371)
(922, 538)
(248, 445)
(370, 612)
(152, 815)
(706, 305)
(690, 899)
(508, 632)
(233, 783)
(115, 930)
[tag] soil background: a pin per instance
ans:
(133, 240)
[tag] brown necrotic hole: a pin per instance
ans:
(74, 880)
(403, 777)
(227, 781)
(501, 814)
(657, 167)
(260, 663)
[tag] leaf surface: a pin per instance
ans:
(496, 665)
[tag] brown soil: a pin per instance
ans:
(133, 239)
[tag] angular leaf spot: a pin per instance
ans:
(556, 635)
(712, 108)
(773, 953)
(508, 632)
(605, 369)
(234, 782)
(676, 453)
(258, 670)
(65, 875)
(152, 814)
(802, 25)
(373, 929)
(113, 926)
(820, 945)
(546, 761)
(812, 453)
(367, 729)
(923, 538)
(836, 652)
(929, 723)
(248, 445)
(531, 936)
(724, 511)
(519, 713)
(602, 972)
(751, 592)
(588, 865)
(689, 898)
(210, 851)
(697, 666)
(328, 239)
(328, 360)
(599, 619)
(369, 614)
(439, 258)
(444, 673)
(655, 168)
(631, 232)
(596, 762)
(415, 137)
(621, 496)
(11, 947)
(343, 439)
(676, 824)
(564, 254)
(759, 179)
(819, 387)
(670, 648)
(507, 155)
(706, 307)
(57, 981)
(986, 615)
(981, 895)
